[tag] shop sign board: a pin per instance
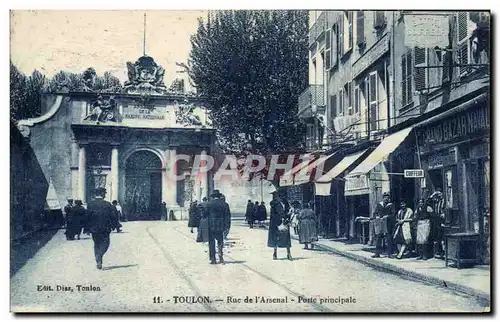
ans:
(414, 173)
(459, 126)
(357, 185)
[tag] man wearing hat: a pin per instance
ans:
(385, 210)
(218, 221)
(101, 221)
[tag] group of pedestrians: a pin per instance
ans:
(78, 221)
(212, 218)
(419, 231)
(256, 212)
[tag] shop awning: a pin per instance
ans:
(322, 185)
(388, 145)
(304, 175)
(287, 178)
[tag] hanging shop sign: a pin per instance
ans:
(459, 126)
(414, 173)
(357, 185)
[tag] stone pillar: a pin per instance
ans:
(169, 183)
(114, 173)
(81, 173)
(74, 170)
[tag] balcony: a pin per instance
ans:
(317, 28)
(312, 95)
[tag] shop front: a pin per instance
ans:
(455, 154)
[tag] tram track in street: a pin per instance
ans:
(180, 272)
(316, 306)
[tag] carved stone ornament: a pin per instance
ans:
(145, 76)
(184, 114)
(88, 79)
(103, 110)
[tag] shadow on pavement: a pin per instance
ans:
(118, 266)
(234, 262)
(23, 250)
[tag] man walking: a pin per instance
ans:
(68, 217)
(249, 213)
(228, 218)
(385, 211)
(217, 224)
(101, 222)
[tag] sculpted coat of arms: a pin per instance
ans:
(145, 76)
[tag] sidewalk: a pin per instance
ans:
(472, 281)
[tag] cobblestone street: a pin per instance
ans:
(161, 262)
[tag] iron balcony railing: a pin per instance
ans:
(317, 28)
(312, 95)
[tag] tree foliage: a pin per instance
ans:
(251, 66)
(26, 91)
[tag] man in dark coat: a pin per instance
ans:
(385, 210)
(194, 216)
(79, 218)
(249, 213)
(101, 222)
(228, 218)
(218, 220)
(279, 238)
(68, 219)
(263, 211)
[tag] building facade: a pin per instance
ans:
(125, 141)
(399, 90)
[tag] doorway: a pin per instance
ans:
(143, 175)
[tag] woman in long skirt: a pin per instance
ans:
(194, 216)
(308, 232)
(279, 227)
(423, 215)
(402, 235)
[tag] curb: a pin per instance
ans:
(407, 273)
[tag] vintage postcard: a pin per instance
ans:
(250, 161)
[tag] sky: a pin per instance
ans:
(73, 40)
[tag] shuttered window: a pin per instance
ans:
(334, 46)
(341, 102)
(341, 35)
(463, 51)
(406, 78)
(357, 99)
(333, 106)
(420, 75)
(328, 45)
(348, 98)
(373, 101)
(360, 29)
(350, 28)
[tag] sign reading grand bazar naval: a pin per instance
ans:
(458, 126)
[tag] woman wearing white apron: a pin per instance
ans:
(402, 235)
(423, 215)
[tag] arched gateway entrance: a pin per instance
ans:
(143, 175)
